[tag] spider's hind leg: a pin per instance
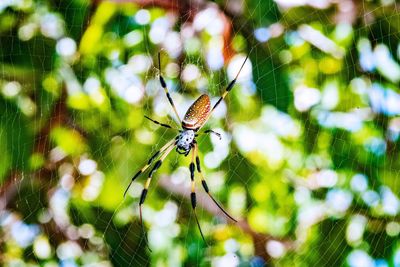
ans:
(205, 186)
(193, 194)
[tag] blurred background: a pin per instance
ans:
(309, 160)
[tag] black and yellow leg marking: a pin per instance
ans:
(153, 157)
(228, 89)
(164, 86)
(193, 194)
(160, 123)
(156, 166)
(205, 186)
(213, 132)
(210, 131)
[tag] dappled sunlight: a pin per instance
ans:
(304, 154)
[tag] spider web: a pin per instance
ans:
(177, 90)
(307, 204)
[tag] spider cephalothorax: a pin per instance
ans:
(196, 116)
(185, 141)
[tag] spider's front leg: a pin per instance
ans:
(227, 89)
(160, 123)
(156, 166)
(150, 161)
(210, 131)
(164, 86)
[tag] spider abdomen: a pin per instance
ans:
(197, 114)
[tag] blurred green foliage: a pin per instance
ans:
(309, 158)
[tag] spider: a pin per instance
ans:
(196, 116)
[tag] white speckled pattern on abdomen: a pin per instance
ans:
(197, 113)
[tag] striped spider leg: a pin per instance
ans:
(149, 162)
(193, 192)
(164, 151)
(164, 86)
(227, 89)
(205, 186)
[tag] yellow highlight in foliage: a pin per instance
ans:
(99, 99)
(91, 38)
(310, 67)
(258, 220)
(261, 192)
(330, 65)
(36, 161)
(51, 85)
(362, 136)
(70, 141)
(222, 232)
(104, 13)
(300, 50)
(135, 118)
(11, 251)
(79, 101)
(112, 184)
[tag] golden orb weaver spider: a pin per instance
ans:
(196, 116)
